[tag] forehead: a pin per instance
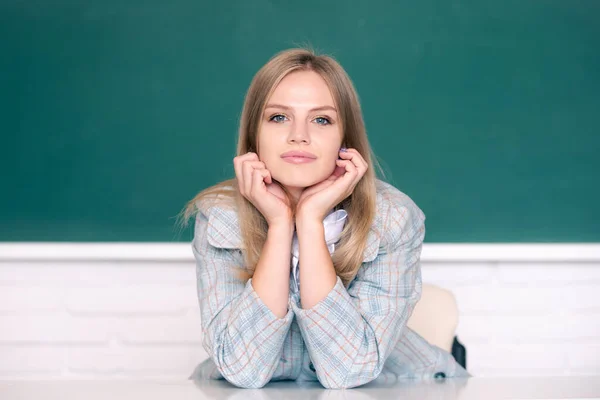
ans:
(300, 88)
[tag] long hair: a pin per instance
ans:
(360, 205)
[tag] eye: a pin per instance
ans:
(322, 121)
(278, 118)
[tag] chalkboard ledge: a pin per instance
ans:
(182, 252)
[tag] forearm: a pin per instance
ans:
(348, 344)
(245, 339)
(246, 354)
(317, 273)
(351, 332)
(271, 276)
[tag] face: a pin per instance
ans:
(300, 134)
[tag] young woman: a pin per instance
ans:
(307, 265)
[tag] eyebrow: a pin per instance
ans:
(321, 108)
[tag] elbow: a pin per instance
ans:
(347, 384)
(247, 377)
(351, 380)
(246, 382)
(334, 385)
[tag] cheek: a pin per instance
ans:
(266, 150)
(333, 150)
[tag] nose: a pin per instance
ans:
(299, 133)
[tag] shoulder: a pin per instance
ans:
(398, 218)
(218, 197)
(217, 219)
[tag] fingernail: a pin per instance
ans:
(343, 149)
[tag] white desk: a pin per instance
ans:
(473, 388)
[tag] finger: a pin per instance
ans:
(347, 153)
(255, 164)
(237, 165)
(306, 193)
(247, 174)
(357, 160)
(258, 186)
(338, 171)
(268, 178)
(239, 160)
(316, 187)
(249, 156)
(352, 154)
(247, 168)
(361, 165)
(348, 181)
(350, 169)
(276, 190)
(351, 176)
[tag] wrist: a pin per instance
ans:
(281, 228)
(310, 224)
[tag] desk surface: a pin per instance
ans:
(473, 388)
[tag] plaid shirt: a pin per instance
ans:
(353, 336)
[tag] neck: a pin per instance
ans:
(294, 193)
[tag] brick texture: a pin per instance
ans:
(101, 319)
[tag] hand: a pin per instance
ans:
(256, 184)
(315, 201)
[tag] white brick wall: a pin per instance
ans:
(526, 318)
(122, 311)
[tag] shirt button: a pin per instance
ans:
(439, 375)
(312, 367)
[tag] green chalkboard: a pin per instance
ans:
(115, 112)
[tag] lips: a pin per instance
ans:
(298, 157)
(299, 154)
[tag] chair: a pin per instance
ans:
(435, 318)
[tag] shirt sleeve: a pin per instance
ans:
(350, 333)
(240, 333)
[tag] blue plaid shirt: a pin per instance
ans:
(353, 336)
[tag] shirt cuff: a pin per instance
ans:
(325, 304)
(253, 305)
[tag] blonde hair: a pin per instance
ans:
(360, 205)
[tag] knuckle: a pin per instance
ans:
(243, 158)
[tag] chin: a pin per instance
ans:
(297, 183)
(298, 180)
(299, 176)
